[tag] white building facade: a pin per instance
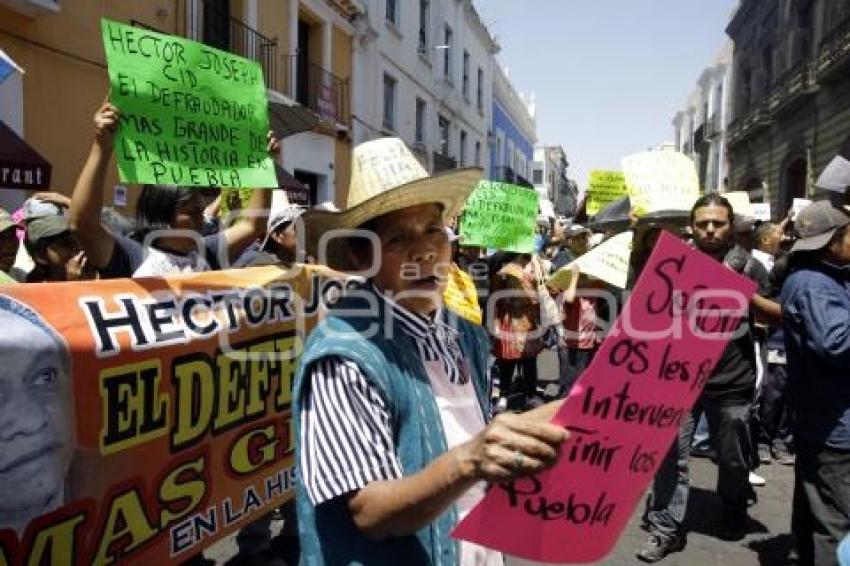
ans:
(550, 179)
(423, 71)
(700, 127)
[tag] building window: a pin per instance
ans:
(465, 82)
(478, 154)
(479, 95)
(444, 135)
(537, 176)
(462, 148)
(447, 52)
(392, 12)
(389, 102)
(424, 19)
(421, 111)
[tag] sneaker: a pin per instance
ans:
(764, 454)
(756, 479)
(701, 451)
(782, 455)
(657, 547)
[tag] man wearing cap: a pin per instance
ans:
(816, 318)
(57, 254)
(8, 246)
(280, 237)
(391, 399)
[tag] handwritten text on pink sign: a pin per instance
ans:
(622, 414)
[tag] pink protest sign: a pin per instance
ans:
(622, 414)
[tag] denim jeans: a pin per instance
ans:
(729, 434)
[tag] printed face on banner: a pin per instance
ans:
(622, 414)
(191, 115)
(143, 420)
(36, 416)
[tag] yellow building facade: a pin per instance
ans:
(304, 47)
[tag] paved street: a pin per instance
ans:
(767, 543)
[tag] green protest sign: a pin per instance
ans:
(190, 114)
(603, 188)
(500, 216)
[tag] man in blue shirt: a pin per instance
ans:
(816, 312)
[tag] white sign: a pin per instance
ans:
(661, 180)
(761, 211)
(836, 176)
(609, 261)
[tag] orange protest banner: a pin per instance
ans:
(144, 420)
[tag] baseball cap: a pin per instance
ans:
(280, 217)
(45, 227)
(34, 208)
(816, 225)
(6, 221)
(575, 230)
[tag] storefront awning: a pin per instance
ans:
(21, 166)
(287, 117)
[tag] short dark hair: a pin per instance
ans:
(157, 204)
(712, 199)
(763, 230)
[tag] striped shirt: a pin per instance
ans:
(346, 432)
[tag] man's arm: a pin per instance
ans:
(87, 200)
(766, 311)
(254, 217)
(826, 318)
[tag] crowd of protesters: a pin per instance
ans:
(399, 433)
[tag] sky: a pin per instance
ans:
(609, 75)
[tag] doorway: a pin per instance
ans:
(311, 181)
(795, 184)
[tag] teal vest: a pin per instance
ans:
(390, 361)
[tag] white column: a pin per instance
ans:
(292, 48)
(249, 13)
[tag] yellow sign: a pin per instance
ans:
(603, 188)
(660, 180)
(461, 297)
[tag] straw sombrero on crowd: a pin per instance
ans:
(386, 177)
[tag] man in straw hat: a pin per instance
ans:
(816, 310)
(390, 399)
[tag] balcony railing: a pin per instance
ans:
(210, 25)
(443, 162)
(834, 52)
(712, 126)
(745, 126)
(791, 88)
(326, 94)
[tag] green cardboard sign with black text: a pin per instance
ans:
(190, 114)
(500, 216)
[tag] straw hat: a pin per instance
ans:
(386, 177)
